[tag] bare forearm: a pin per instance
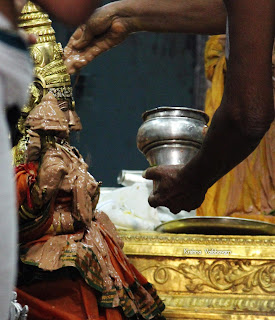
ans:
(8, 9)
(225, 146)
(71, 12)
(188, 16)
(247, 108)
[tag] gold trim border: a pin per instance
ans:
(221, 304)
(176, 245)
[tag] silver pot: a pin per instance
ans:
(171, 135)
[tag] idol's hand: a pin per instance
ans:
(174, 188)
(102, 31)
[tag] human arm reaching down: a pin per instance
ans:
(246, 111)
(71, 12)
(245, 114)
(113, 23)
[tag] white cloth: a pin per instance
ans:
(16, 68)
(128, 208)
(15, 76)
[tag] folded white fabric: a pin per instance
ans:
(128, 208)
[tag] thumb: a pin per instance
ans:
(81, 38)
(152, 173)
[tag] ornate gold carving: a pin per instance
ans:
(197, 239)
(183, 245)
(225, 303)
(47, 54)
(50, 72)
(237, 286)
(34, 20)
(18, 151)
(34, 99)
(221, 275)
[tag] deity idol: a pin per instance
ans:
(72, 265)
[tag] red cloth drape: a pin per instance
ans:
(64, 299)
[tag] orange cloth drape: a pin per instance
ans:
(63, 296)
(249, 189)
(64, 299)
(25, 175)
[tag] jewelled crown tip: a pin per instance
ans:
(49, 69)
(35, 21)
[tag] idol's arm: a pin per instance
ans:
(50, 175)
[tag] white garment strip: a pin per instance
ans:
(16, 70)
(15, 76)
(8, 220)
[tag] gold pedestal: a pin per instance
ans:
(208, 277)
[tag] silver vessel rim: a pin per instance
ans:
(174, 108)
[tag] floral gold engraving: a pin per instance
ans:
(221, 275)
(239, 286)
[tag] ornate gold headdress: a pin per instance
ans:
(50, 73)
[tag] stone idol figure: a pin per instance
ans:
(72, 265)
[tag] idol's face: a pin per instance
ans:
(64, 107)
(67, 107)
